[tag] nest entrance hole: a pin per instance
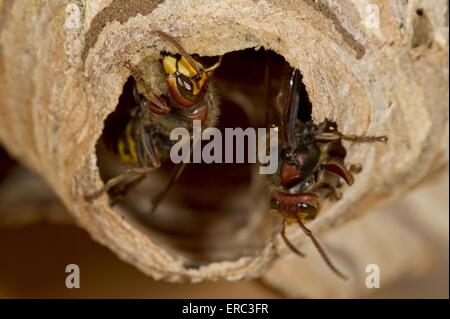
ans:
(214, 212)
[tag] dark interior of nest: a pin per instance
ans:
(214, 212)
(7, 165)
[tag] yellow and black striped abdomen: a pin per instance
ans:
(126, 144)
